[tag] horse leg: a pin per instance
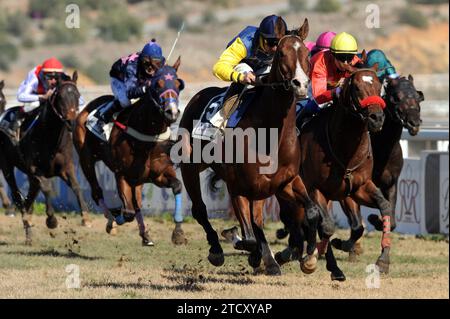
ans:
(241, 207)
(87, 164)
(191, 179)
(47, 189)
(69, 177)
(295, 192)
(353, 212)
(169, 179)
(370, 195)
(6, 203)
(272, 267)
(136, 198)
(287, 211)
(283, 232)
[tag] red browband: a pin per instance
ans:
(370, 100)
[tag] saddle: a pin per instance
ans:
(15, 123)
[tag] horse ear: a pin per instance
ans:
(280, 28)
(421, 96)
(303, 31)
(75, 76)
(364, 56)
(2, 84)
(410, 78)
(177, 63)
(375, 67)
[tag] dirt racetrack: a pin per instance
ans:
(119, 267)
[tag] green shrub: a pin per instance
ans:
(117, 25)
(413, 17)
(71, 61)
(431, 2)
(98, 71)
(328, 6)
(9, 53)
(297, 5)
(17, 24)
(175, 20)
(209, 17)
(58, 33)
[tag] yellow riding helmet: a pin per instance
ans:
(344, 43)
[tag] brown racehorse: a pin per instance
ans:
(133, 161)
(272, 107)
(402, 111)
(45, 151)
(337, 158)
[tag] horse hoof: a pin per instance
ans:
(51, 222)
(254, 260)
(308, 264)
(128, 217)
(86, 223)
(273, 270)
(111, 229)
(375, 221)
(246, 244)
(279, 258)
(216, 259)
(146, 240)
(178, 237)
(337, 275)
(383, 266)
(282, 233)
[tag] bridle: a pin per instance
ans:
(284, 83)
(52, 104)
(360, 108)
(411, 93)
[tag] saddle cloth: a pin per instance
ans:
(205, 130)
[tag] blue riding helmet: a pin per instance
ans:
(152, 50)
(267, 26)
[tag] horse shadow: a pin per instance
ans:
(53, 253)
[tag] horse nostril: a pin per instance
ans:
(296, 82)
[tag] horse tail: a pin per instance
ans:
(212, 180)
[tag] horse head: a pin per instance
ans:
(403, 102)
(65, 99)
(2, 97)
(361, 96)
(166, 88)
(291, 61)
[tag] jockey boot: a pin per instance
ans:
(16, 123)
(230, 102)
(104, 115)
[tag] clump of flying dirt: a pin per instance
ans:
(72, 239)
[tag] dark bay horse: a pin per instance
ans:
(135, 158)
(402, 111)
(247, 183)
(45, 150)
(6, 203)
(337, 159)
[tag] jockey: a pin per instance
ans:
(327, 72)
(130, 79)
(249, 53)
(323, 42)
(38, 87)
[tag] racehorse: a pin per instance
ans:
(137, 150)
(272, 107)
(402, 111)
(337, 159)
(6, 203)
(45, 150)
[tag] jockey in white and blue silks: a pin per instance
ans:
(130, 79)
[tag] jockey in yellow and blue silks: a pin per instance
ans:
(254, 46)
